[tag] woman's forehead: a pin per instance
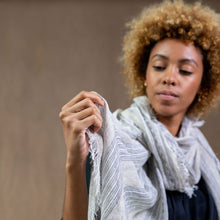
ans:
(174, 48)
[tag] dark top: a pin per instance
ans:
(180, 207)
(200, 207)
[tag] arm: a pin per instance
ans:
(76, 116)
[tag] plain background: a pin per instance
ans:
(49, 51)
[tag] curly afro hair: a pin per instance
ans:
(193, 23)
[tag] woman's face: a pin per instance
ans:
(173, 77)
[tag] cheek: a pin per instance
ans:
(150, 91)
(149, 84)
(150, 79)
(192, 89)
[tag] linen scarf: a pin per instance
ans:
(135, 159)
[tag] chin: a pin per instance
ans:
(165, 114)
(165, 111)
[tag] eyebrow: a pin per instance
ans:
(181, 61)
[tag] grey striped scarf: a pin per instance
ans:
(135, 159)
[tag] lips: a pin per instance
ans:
(167, 95)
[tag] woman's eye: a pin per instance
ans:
(185, 72)
(159, 68)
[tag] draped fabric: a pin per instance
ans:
(135, 159)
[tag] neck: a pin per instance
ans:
(171, 123)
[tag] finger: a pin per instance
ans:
(87, 122)
(85, 103)
(96, 125)
(95, 98)
(88, 112)
(70, 119)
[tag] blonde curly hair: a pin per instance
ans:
(193, 23)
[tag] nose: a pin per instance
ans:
(170, 77)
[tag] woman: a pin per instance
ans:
(150, 161)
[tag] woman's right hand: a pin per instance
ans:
(76, 117)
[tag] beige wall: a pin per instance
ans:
(49, 51)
